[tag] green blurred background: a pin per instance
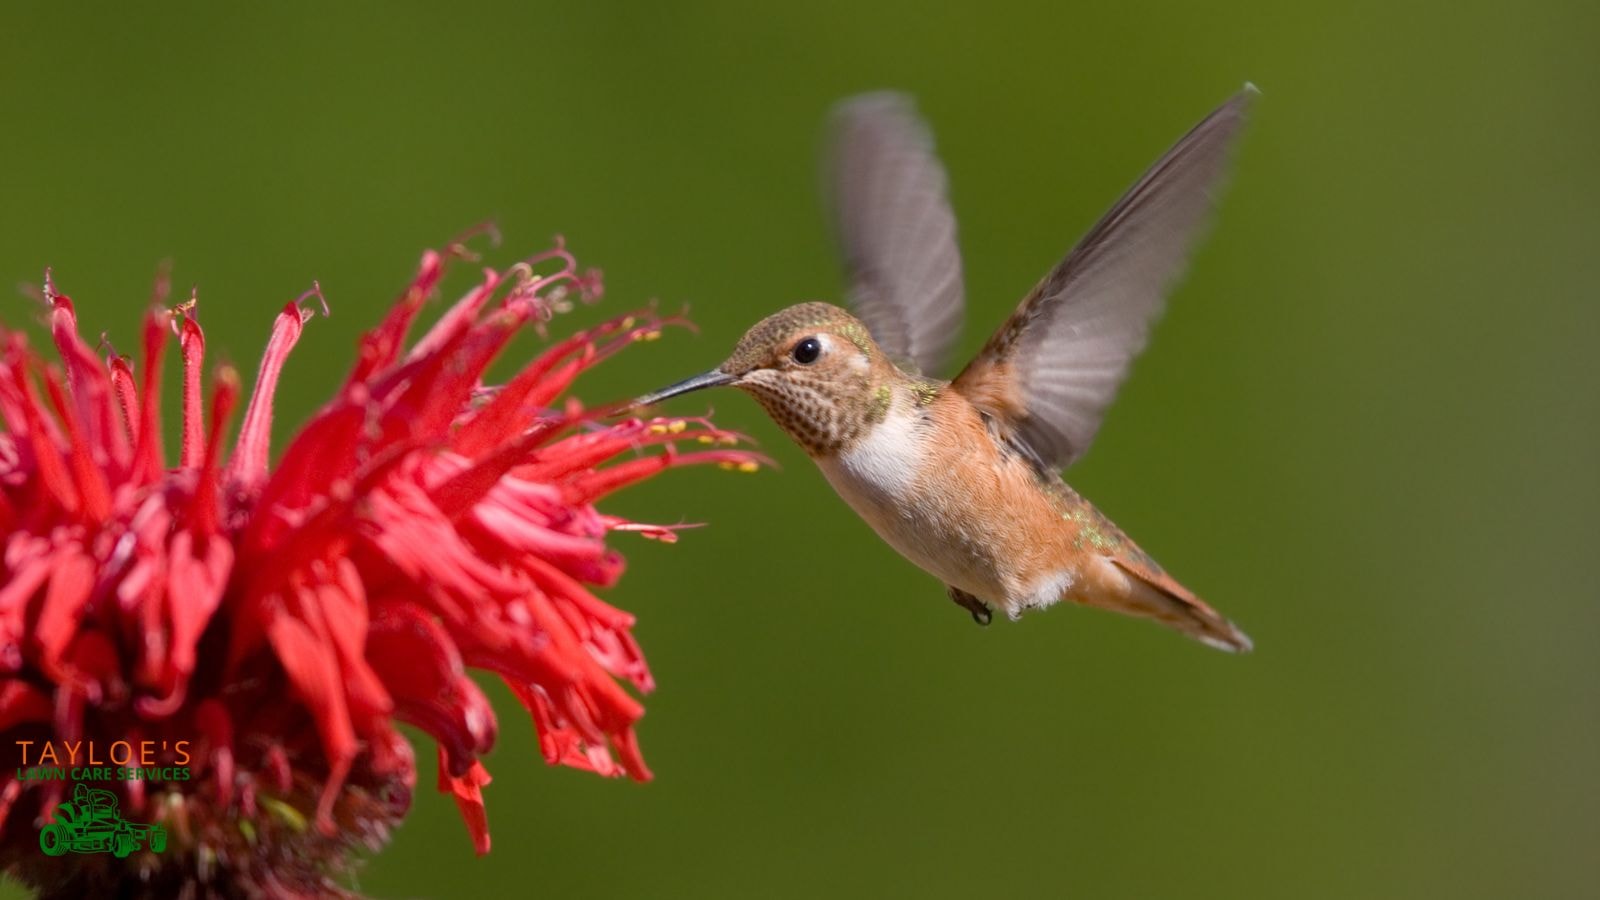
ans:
(1366, 429)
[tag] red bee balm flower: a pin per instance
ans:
(263, 628)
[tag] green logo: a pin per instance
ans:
(91, 824)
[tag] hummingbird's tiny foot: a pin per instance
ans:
(979, 609)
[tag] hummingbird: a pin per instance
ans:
(963, 477)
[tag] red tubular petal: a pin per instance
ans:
(340, 603)
(127, 394)
(381, 346)
(627, 746)
(249, 463)
(149, 457)
(468, 793)
(456, 320)
(203, 511)
(192, 344)
(52, 469)
(91, 388)
(198, 573)
(314, 673)
(592, 485)
(93, 493)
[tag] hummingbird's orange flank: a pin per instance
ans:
(962, 477)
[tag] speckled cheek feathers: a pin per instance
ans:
(805, 411)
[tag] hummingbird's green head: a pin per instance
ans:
(813, 366)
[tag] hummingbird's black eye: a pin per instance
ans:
(807, 351)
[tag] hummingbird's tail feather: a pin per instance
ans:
(1155, 595)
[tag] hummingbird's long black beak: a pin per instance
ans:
(713, 378)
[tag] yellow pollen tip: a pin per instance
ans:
(657, 429)
(748, 466)
(706, 439)
(677, 426)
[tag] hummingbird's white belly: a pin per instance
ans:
(887, 477)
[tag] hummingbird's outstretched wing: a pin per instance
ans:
(1052, 369)
(895, 229)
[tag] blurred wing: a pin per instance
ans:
(895, 229)
(1052, 369)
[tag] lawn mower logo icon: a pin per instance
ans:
(92, 824)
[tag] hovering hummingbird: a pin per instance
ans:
(963, 477)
